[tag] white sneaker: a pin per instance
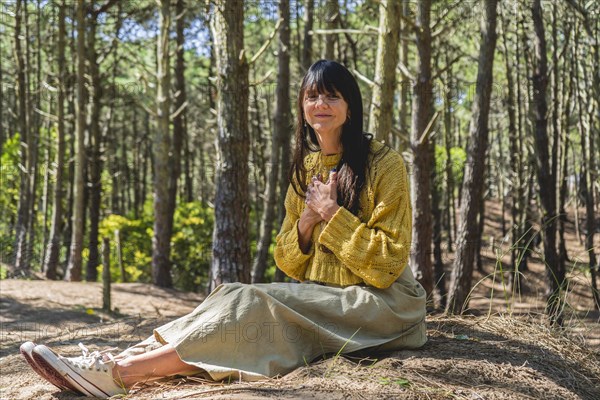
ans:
(90, 373)
(57, 380)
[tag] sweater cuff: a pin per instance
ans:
(339, 229)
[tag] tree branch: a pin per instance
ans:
(363, 78)
(368, 30)
(429, 128)
(265, 46)
(440, 72)
(404, 69)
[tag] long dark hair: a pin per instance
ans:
(328, 77)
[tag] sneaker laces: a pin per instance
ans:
(98, 360)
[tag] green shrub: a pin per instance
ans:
(9, 194)
(191, 245)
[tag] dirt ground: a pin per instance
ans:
(503, 350)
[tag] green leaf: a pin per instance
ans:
(402, 382)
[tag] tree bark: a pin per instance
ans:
(21, 251)
(75, 257)
(448, 172)
(53, 248)
(281, 125)
(587, 182)
(95, 142)
(422, 111)
(381, 114)
(180, 120)
(307, 56)
(546, 178)
(2, 108)
(161, 240)
(332, 16)
(468, 232)
(515, 159)
(404, 124)
(231, 251)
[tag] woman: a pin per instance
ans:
(346, 236)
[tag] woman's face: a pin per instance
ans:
(326, 113)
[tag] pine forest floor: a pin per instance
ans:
(503, 349)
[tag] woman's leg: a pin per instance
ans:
(155, 364)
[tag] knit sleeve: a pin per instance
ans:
(288, 255)
(378, 250)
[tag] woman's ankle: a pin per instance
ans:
(125, 378)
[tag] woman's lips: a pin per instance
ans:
(322, 115)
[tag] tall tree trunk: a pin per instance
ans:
(546, 178)
(557, 137)
(281, 125)
(161, 241)
(307, 44)
(231, 250)
(587, 150)
(2, 107)
(95, 142)
(515, 159)
(332, 16)
(180, 120)
(382, 100)
(53, 248)
(448, 173)
(34, 127)
(522, 198)
(468, 232)
(564, 113)
(436, 212)
(404, 123)
(422, 111)
(75, 257)
(21, 252)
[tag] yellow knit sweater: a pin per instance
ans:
(372, 248)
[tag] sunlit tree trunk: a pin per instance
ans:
(307, 44)
(515, 157)
(34, 125)
(382, 100)
(161, 240)
(468, 232)
(422, 111)
(231, 250)
(95, 143)
(52, 250)
(75, 256)
(546, 179)
(281, 125)
(332, 11)
(21, 251)
(180, 120)
(403, 120)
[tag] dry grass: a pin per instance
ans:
(497, 357)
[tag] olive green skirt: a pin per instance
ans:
(250, 332)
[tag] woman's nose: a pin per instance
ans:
(321, 100)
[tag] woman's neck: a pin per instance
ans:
(329, 145)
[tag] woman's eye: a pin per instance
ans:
(333, 97)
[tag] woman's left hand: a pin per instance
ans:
(322, 197)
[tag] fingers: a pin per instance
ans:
(333, 177)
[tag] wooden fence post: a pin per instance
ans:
(106, 274)
(120, 256)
